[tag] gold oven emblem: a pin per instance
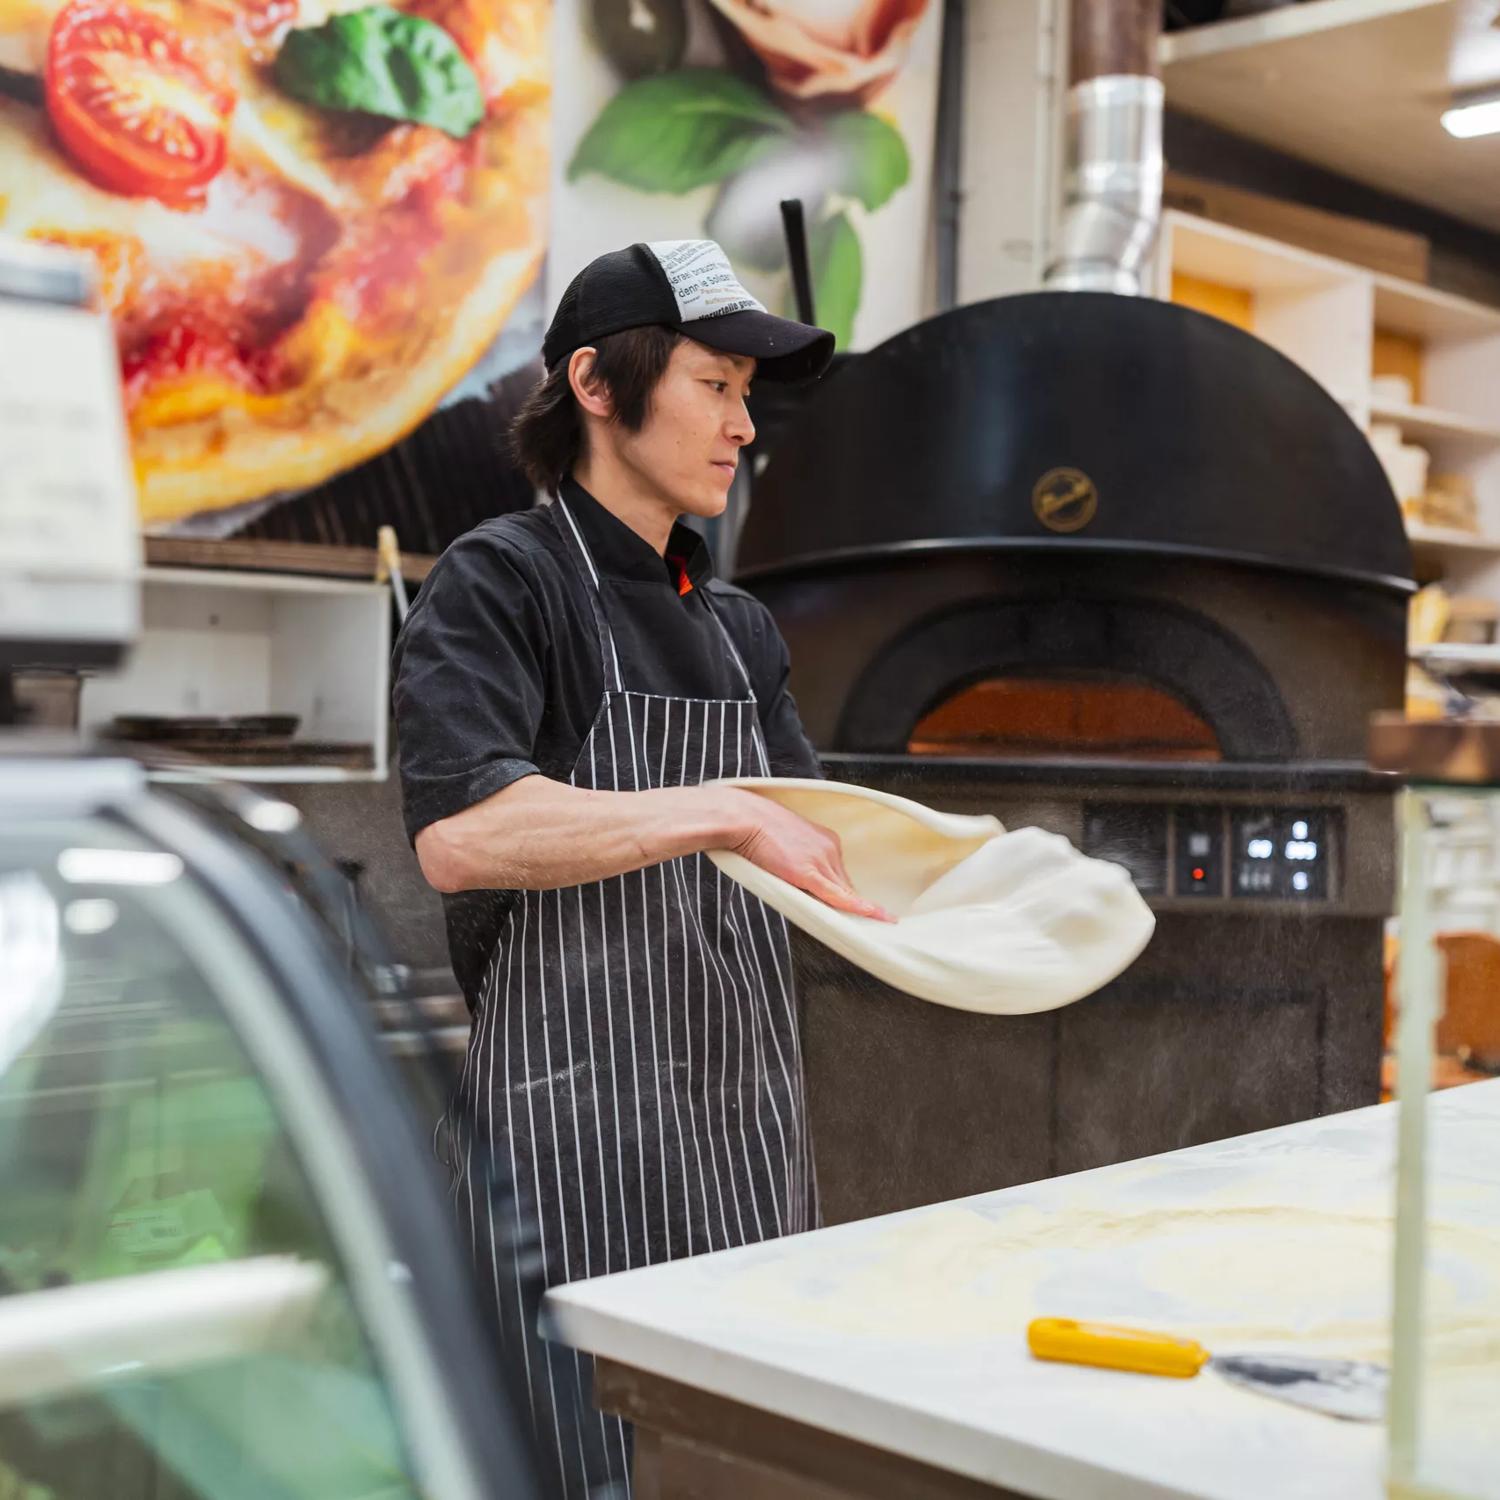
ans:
(1065, 500)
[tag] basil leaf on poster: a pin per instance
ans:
(378, 61)
(837, 276)
(679, 131)
(872, 160)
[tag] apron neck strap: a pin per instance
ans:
(607, 653)
(739, 661)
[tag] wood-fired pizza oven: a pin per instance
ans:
(1119, 569)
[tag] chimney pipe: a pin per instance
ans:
(1112, 191)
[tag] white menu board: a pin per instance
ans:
(66, 495)
(67, 499)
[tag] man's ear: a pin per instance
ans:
(588, 390)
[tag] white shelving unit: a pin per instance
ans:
(216, 643)
(1324, 314)
(1309, 307)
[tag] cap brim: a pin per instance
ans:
(782, 348)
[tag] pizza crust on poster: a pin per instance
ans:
(330, 275)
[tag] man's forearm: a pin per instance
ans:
(539, 834)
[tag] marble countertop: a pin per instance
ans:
(908, 1332)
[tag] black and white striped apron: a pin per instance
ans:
(635, 1057)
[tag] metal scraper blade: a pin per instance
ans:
(1347, 1388)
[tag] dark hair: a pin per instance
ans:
(547, 436)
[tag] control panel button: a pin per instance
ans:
(1198, 857)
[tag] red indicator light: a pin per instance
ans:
(1198, 874)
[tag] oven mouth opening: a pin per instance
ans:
(1087, 717)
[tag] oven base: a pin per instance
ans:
(1241, 1015)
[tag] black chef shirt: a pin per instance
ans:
(497, 671)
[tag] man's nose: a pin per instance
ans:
(740, 429)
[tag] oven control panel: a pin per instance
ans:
(1235, 853)
(1283, 854)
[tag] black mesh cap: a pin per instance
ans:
(688, 285)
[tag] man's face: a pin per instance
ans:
(689, 445)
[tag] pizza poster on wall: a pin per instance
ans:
(312, 218)
(321, 225)
(683, 118)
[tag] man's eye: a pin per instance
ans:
(719, 385)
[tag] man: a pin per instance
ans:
(570, 687)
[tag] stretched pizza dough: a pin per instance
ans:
(1000, 922)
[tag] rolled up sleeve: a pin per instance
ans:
(468, 683)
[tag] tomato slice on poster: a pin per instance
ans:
(138, 108)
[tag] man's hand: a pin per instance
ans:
(804, 854)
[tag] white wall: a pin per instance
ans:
(1014, 82)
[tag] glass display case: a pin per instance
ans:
(1443, 1427)
(226, 1268)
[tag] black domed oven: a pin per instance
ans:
(1118, 569)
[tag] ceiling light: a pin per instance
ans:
(1480, 116)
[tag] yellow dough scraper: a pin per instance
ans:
(1352, 1389)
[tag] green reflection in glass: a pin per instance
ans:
(137, 1139)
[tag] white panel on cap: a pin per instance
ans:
(702, 280)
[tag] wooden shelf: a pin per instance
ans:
(1422, 312)
(1355, 87)
(312, 558)
(1237, 257)
(277, 775)
(259, 583)
(1442, 537)
(1427, 424)
(1455, 657)
(1289, 22)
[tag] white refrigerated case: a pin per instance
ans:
(226, 1268)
